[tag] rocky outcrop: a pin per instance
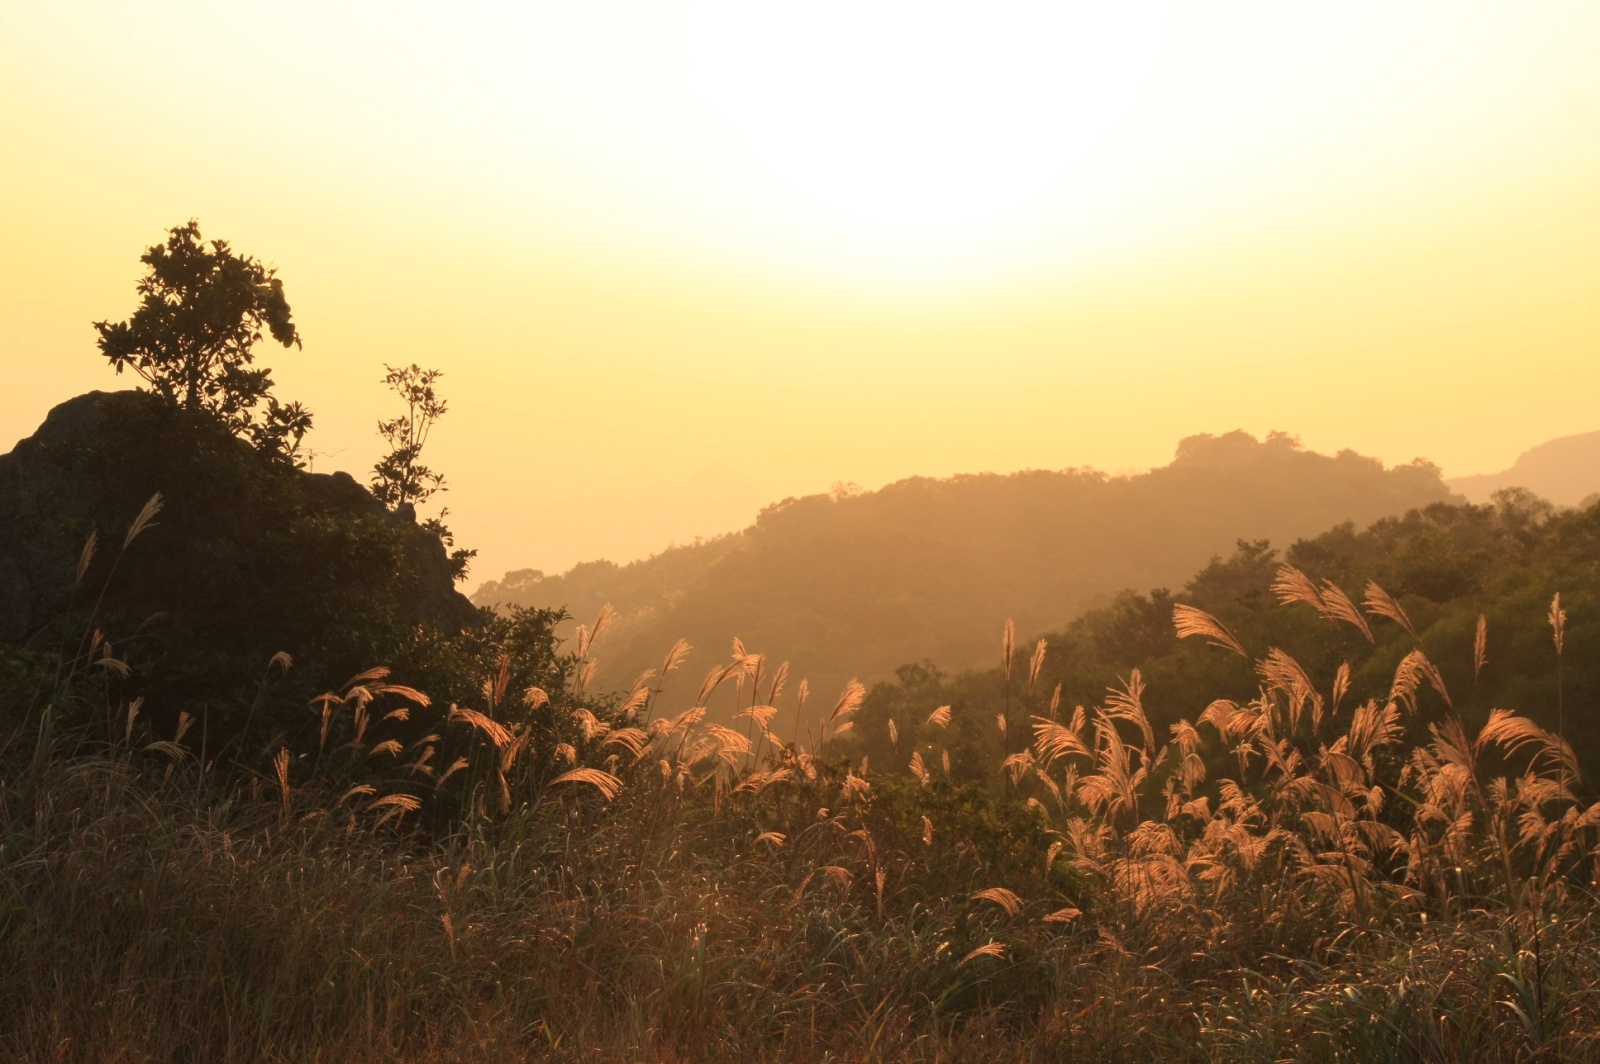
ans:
(230, 517)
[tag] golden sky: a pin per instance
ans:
(678, 260)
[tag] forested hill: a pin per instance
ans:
(857, 584)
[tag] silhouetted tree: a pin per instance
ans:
(202, 309)
(400, 479)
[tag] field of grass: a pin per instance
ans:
(564, 877)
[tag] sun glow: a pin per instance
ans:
(971, 232)
(921, 114)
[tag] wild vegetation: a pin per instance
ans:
(1285, 814)
(1441, 568)
(549, 872)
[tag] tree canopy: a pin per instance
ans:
(202, 309)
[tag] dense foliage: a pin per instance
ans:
(1446, 565)
(202, 310)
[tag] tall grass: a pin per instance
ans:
(561, 875)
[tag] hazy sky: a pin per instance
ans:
(678, 260)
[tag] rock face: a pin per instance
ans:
(244, 549)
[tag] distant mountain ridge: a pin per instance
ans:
(856, 584)
(1566, 471)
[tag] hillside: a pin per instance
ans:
(1566, 471)
(1446, 565)
(857, 584)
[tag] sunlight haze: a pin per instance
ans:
(680, 260)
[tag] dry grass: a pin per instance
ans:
(1289, 878)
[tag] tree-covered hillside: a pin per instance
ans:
(856, 584)
(1446, 566)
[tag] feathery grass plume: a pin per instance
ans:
(360, 790)
(727, 741)
(1339, 607)
(1052, 741)
(496, 732)
(86, 557)
(989, 949)
(927, 832)
(1036, 662)
(756, 782)
(608, 785)
(1558, 632)
(685, 720)
(714, 676)
(1407, 677)
(894, 733)
(1435, 680)
(738, 649)
(944, 759)
(535, 698)
(1558, 623)
(1002, 897)
(1188, 621)
(509, 755)
(1062, 916)
(779, 679)
(916, 768)
(589, 724)
(939, 718)
(1000, 721)
(1055, 702)
(406, 802)
(1480, 647)
(1341, 685)
(1008, 639)
(854, 786)
(494, 687)
(585, 675)
(360, 679)
(1283, 673)
(1380, 603)
(633, 740)
(675, 656)
(1017, 766)
(849, 700)
(146, 515)
(1127, 704)
(280, 766)
(395, 806)
(1291, 585)
(777, 838)
(587, 636)
(762, 715)
(635, 700)
(1510, 732)
(133, 714)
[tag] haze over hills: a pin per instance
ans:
(1566, 471)
(858, 583)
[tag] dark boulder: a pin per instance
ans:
(247, 557)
